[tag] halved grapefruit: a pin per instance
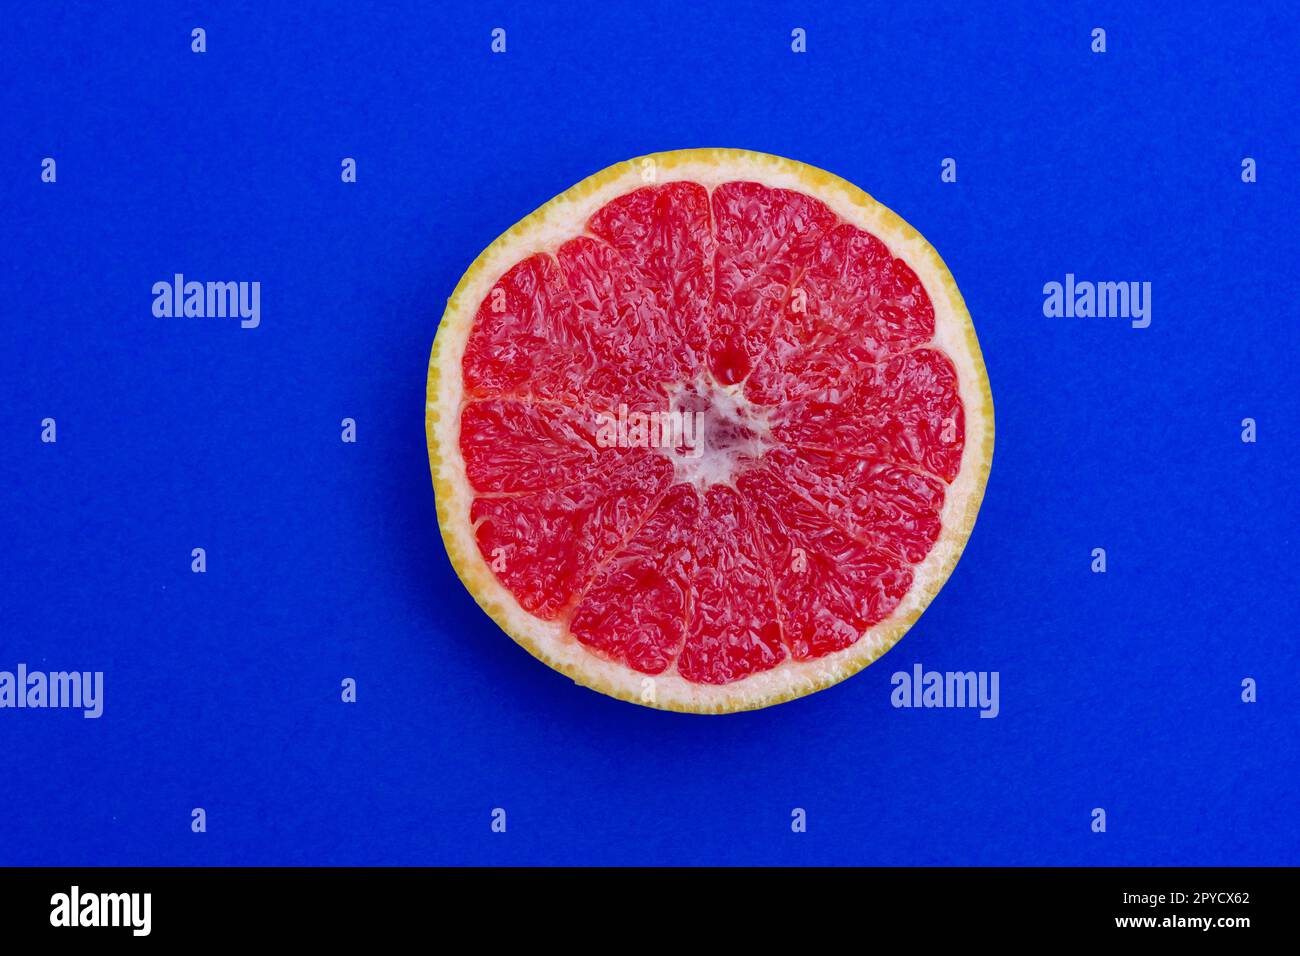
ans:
(708, 431)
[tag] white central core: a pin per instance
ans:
(725, 433)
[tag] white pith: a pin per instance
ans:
(566, 217)
(709, 460)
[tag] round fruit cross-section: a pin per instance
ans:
(708, 431)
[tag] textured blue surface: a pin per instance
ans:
(1118, 691)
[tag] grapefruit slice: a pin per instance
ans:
(841, 414)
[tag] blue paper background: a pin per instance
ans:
(222, 690)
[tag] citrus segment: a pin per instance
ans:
(854, 303)
(543, 546)
(526, 338)
(906, 410)
(734, 629)
(512, 445)
(831, 585)
(765, 239)
(661, 264)
(898, 509)
(635, 611)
